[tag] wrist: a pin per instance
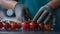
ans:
(54, 4)
(9, 4)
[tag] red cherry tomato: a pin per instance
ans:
(18, 25)
(7, 25)
(33, 25)
(41, 26)
(1, 24)
(13, 25)
(26, 25)
(47, 27)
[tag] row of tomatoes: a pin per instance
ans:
(35, 25)
(26, 25)
(7, 25)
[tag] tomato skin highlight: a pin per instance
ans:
(13, 25)
(33, 25)
(41, 26)
(7, 25)
(26, 25)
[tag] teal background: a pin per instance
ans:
(34, 6)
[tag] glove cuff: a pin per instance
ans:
(50, 9)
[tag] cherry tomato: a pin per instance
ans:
(33, 25)
(47, 27)
(41, 26)
(26, 25)
(7, 25)
(18, 25)
(13, 25)
(1, 24)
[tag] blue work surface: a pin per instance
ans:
(29, 33)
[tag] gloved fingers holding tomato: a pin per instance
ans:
(45, 11)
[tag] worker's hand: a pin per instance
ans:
(43, 12)
(22, 12)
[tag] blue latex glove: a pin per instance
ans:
(43, 11)
(21, 12)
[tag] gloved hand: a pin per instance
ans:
(43, 11)
(21, 12)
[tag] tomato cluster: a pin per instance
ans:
(7, 25)
(25, 25)
(34, 25)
